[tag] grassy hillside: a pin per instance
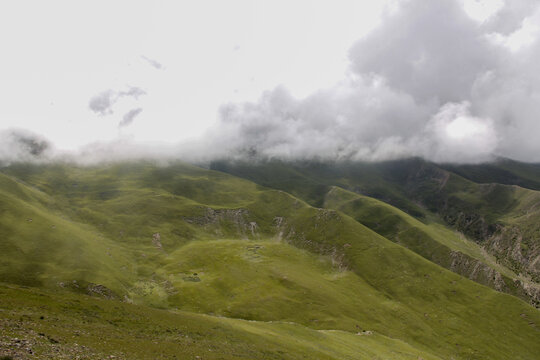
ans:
(430, 194)
(491, 214)
(191, 242)
(43, 247)
(311, 180)
(60, 325)
(502, 171)
(431, 240)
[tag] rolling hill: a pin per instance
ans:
(500, 218)
(149, 260)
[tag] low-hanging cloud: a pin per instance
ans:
(23, 145)
(429, 81)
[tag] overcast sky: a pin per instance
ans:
(449, 80)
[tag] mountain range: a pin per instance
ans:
(270, 259)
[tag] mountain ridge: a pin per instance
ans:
(424, 191)
(182, 237)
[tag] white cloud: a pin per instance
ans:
(57, 56)
(129, 117)
(524, 36)
(427, 82)
(456, 135)
(449, 80)
(22, 145)
(482, 10)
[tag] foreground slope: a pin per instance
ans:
(181, 237)
(60, 325)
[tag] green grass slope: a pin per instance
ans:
(44, 324)
(502, 171)
(483, 212)
(153, 236)
(428, 239)
(41, 247)
(427, 191)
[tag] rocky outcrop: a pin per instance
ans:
(478, 212)
(473, 225)
(89, 288)
(226, 221)
(509, 245)
(532, 290)
(310, 236)
(477, 271)
(156, 241)
(100, 291)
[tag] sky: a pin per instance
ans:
(447, 80)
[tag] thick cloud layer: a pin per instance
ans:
(430, 81)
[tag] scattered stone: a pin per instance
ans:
(100, 290)
(156, 240)
(365, 332)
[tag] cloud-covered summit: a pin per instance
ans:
(430, 81)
